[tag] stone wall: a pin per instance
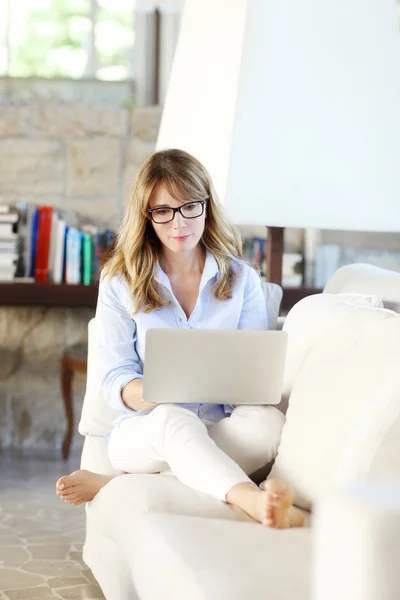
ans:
(75, 157)
(87, 91)
(81, 159)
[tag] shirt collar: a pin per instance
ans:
(210, 270)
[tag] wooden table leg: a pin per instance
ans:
(66, 389)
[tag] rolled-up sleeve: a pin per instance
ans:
(254, 310)
(116, 340)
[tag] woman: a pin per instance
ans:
(177, 263)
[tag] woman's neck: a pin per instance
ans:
(183, 263)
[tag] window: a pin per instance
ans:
(67, 38)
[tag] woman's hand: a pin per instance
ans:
(146, 405)
(132, 396)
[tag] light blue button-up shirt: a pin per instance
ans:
(121, 337)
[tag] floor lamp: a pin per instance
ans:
(294, 108)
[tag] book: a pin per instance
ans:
(6, 275)
(87, 244)
(7, 245)
(53, 228)
(59, 249)
(74, 250)
(64, 268)
(39, 244)
(43, 243)
(26, 228)
(8, 259)
(9, 217)
(34, 235)
(7, 230)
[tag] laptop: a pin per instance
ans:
(186, 366)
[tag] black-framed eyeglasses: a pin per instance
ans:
(189, 210)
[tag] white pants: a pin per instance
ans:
(211, 459)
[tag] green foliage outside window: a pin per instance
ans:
(52, 38)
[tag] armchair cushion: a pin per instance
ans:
(343, 420)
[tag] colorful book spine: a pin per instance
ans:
(74, 250)
(87, 245)
(34, 237)
(59, 251)
(52, 249)
(44, 248)
(43, 243)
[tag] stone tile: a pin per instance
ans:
(46, 335)
(11, 579)
(45, 597)
(31, 166)
(102, 212)
(138, 151)
(21, 524)
(75, 555)
(61, 582)
(42, 591)
(52, 551)
(5, 530)
(9, 121)
(10, 541)
(81, 591)
(89, 576)
(47, 538)
(45, 119)
(13, 553)
(53, 568)
(145, 123)
(93, 167)
(11, 564)
(76, 330)
(131, 171)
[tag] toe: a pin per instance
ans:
(60, 485)
(273, 500)
(275, 486)
(70, 497)
(71, 489)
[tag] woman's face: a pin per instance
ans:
(181, 234)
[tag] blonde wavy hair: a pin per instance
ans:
(137, 249)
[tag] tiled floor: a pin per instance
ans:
(41, 537)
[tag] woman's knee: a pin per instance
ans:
(268, 415)
(164, 411)
(167, 413)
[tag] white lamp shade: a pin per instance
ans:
(294, 108)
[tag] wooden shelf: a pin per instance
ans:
(63, 295)
(48, 294)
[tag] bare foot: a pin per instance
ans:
(81, 486)
(275, 507)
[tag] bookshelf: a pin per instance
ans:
(47, 294)
(74, 296)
